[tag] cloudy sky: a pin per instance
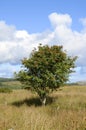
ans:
(26, 23)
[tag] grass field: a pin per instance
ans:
(11, 84)
(65, 110)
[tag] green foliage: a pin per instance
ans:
(47, 69)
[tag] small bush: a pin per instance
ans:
(5, 90)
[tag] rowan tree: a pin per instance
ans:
(47, 69)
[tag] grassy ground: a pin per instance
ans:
(10, 84)
(21, 110)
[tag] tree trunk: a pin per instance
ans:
(43, 100)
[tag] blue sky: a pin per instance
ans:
(32, 15)
(26, 23)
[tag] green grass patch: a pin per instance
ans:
(11, 84)
(5, 90)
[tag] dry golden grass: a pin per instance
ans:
(21, 110)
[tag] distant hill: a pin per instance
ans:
(6, 79)
(10, 83)
(81, 82)
(78, 83)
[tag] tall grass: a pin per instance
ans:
(21, 110)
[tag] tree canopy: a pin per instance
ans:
(47, 68)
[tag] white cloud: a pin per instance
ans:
(6, 31)
(73, 41)
(83, 21)
(16, 44)
(60, 19)
(19, 43)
